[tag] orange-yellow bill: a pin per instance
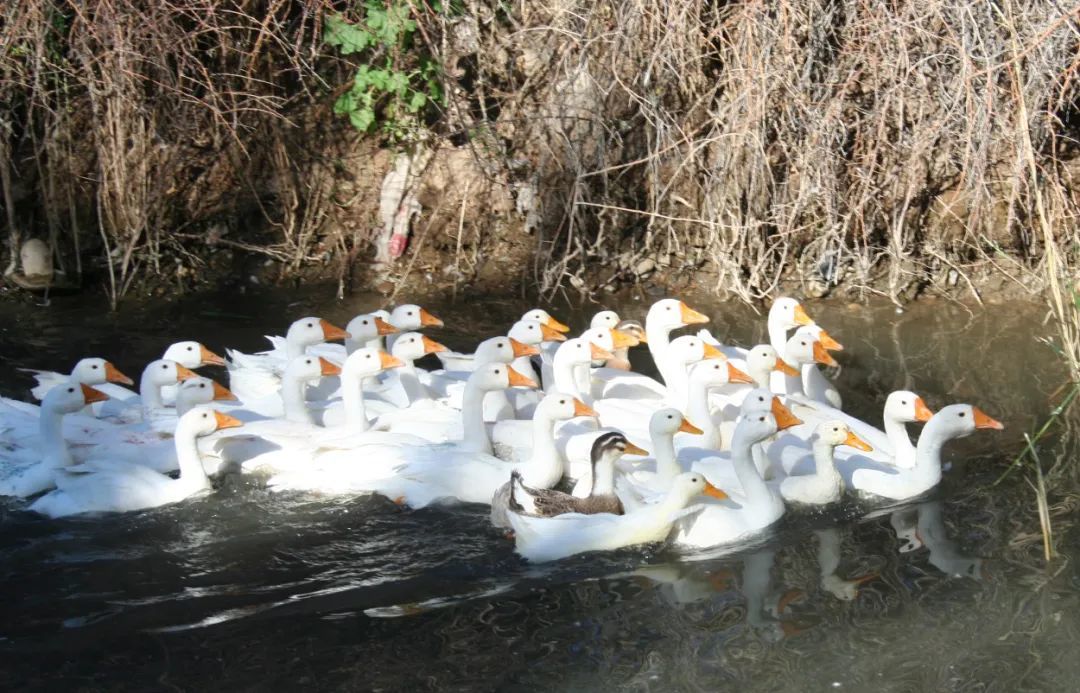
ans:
(226, 421)
(712, 352)
(332, 332)
(183, 373)
(829, 343)
(922, 412)
(429, 320)
(801, 318)
(736, 376)
(550, 334)
(519, 380)
(113, 375)
(222, 393)
(822, 356)
(599, 353)
(783, 415)
(556, 325)
(388, 361)
(522, 349)
(984, 420)
(689, 316)
(582, 409)
(209, 358)
(91, 395)
(383, 328)
(687, 427)
(714, 492)
(431, 346)
(856, 442)
(632, 449)
(623, 340)
(783, 367)
(326, 368)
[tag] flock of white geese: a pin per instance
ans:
(572, 450)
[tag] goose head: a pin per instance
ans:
(166, 372)
(605, 319)
(612, 445)
(192, 355)
(578, 351)
(816, 331)
(633, 328)
(498, 376)
(959, 420)
(788, 313)
(307, 367)
(367, 362)
(691, 349)
(689, 484)
(760, 401)
(834, 433)
(609, 339)
(763, 359)
(70, 398)
(665, 423)
(413, 345)
(716, 372)
(804, 348)
(413, 317)
(504, 350)
(308, 331)
(671, 313)
(94, 371)
(195, 391)
(534, 332)
(203, 420)
(544, 318)
(364, 328)
(906, 407)
(561, 407)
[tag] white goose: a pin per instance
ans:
(825, 485)
(26, 471)
(409, 318)
(418, 475)
(88, 371)
(814, 383)
(135, 487)
(545, 467)
(658, 473)
(124, 405)
(541, 539)
(255, 377)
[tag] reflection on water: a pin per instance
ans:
(250, 589)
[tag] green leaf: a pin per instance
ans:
(417, 101)
(349, 38)
(362, 119)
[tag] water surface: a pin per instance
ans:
(247, 589)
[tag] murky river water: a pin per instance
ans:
(246, 589)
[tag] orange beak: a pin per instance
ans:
(687, 427)
(822, 356)
(519, 380)
(326, 368)
(632, 449)
(922, 412)
(599, 353)
(689, 316)
(829, 343)
(429, 320)
(383, 328)
(113, 375)
(582, 409)
(714, 492)
(856, 442)
(784, 417)
(734, 375)
(712, 352)
(983, 420)
(550, 334)
(332, 332)
(226, 421)
(431, 346)
(388, 361)
(623, 340)
(183, 374)
(521, 349)
(556, 325)
(801, 318)
(222, 393)
(90, 395)
(783, 367)
(209, 358)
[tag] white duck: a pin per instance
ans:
(541, 539)
(364, 329)
(254, 377)
(419, 474)
(814, 383)
(135, 487)
(409, 318)
(663, 317)
(88, 371)
(825, 485)
(509, 350)
(545, 467)
(612, 340)
(658, 472)
(156, 377)
(953, 421)
(125, 406)
(26, 471)
(759, 505)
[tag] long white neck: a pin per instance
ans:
(701, 416)
(293, 348)
(376, 344)
(896, 431)
(352, 345)
(659, 337)
(472, 420)
(545, 467)
(928, 450)
(352, 395)
(292, 397)
(583, 380)
(667, 467)
(754, 488)
(149, 394)
(824, 464)
(777, 337)
(410, 382)
(604, 477)
(192, 474)
(760, 373)
(54, 447)
(677, 382)
(564, 374)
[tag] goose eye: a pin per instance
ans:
(308, 362)
(562, 401)
(410, 313)
(94, 366)
(367, 356)
(904, 402)
(760, 398)
(71, 389)
(190, 349)
(310, 325)
(499, 345)
(670, 417)
(716, 367)
(164, 366)
(497, 371)
(365, 322)
(668, 308)
(204, 416)
(202, 385)
(803, 343)
(961, 414)
(761, 419)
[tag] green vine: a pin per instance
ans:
(394, 83)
